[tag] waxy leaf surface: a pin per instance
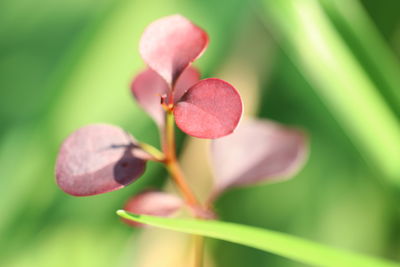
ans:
(170, 44)
(153, 203)
(148, 87)
(291, 247)
(98, 158)
(258, 151)
(210, 109)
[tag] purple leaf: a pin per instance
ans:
(170, 44)
(98, 158)
(210, 109)
(148, 87)
(258, 151)
(153, 203)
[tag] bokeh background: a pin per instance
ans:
(329, 67)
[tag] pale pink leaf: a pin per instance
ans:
(154, 203)
(98, 158)
(210, 109)
(170, 44)
(147, 88)
(258, 151)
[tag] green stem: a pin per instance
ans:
(152, 151)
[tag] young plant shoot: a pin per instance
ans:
(100, 158)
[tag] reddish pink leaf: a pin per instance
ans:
(170, 44)
(96, 159)
(188, 78)
(210, 109)
(258, 151)
(153, 203)
(148, 87)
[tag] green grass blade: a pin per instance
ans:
(334, 73)
(376, 52)
(274, 242)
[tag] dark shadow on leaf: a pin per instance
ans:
(129, 167)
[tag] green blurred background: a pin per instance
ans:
(330, 67)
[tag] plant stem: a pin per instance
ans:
(173, 167)
(172, 164)
(198, 241)
(153, 152)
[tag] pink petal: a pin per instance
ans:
(210, 109)
(170, 44)
(148, 87)
(153, 203)
(258, 151)
(96, 159)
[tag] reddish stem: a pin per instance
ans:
(177, 175)
(172, 164)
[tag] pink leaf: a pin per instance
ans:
(96, 159)
(148, 87)
(188, 78)
(258, 151)
(210, 109)
(153, 203)
(170, 44)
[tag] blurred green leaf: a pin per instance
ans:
(334, 73)
(274, 242)
(360, 33)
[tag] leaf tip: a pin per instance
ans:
(121, 213)
(127, 215)
(170, 44)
